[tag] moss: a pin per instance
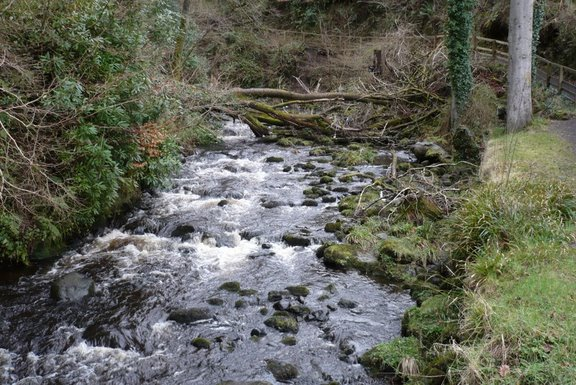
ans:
(435, 321)
(386, 357)
(232, 286)
(326, 180)
(339, 255)
(354, 156)
(349, 205)
(201, 343)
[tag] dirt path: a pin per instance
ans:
(566, 129)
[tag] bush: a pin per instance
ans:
(85, 124)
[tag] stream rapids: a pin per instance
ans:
(222, 220)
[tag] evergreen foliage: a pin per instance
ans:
(81, 123)
(458, 33)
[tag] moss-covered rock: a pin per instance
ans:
(274, 159)
(326, 180)
(276, 295)
(215, 301)
(435, 321)
(289, 340)
(386, 357)
(299, 291)
(315, 192)
(339, 255)
(333, 227)
(232, 286)
(431, 152)
(296, 240)
(282, 372)
(201, 343)
(248, 292)
(189, 315)
(240, 304)
(400, 250)
(283, 322)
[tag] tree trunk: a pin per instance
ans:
(519, 110)
(178, 60)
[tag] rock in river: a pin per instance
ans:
(189, 315)
(281, 371)
(72, 287)
(282, 322)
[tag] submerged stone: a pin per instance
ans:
(282, 371)
(310, 203)
(347, 304)
(189, 315)
(274, 159)
(72, 287)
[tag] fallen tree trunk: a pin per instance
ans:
(317, 97)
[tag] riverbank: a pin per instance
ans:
(504, 314)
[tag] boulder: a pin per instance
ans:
(72, 287)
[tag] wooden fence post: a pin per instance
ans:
(548, 74)
(377, 62)
(560, 80)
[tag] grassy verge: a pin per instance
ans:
(501, 308)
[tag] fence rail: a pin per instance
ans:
(551, 74)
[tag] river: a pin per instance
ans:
(222, 221)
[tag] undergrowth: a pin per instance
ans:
(83, 116)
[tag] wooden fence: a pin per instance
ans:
(552, 75)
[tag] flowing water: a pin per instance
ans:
(222, 220)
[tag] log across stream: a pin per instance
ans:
(198, 287)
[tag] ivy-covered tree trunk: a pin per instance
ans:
(458, 43)
(178, 62)
(539, 13)
(519, 110)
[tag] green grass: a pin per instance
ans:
(534, 153)
(519, 319)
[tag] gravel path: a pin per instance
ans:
(566, 129)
